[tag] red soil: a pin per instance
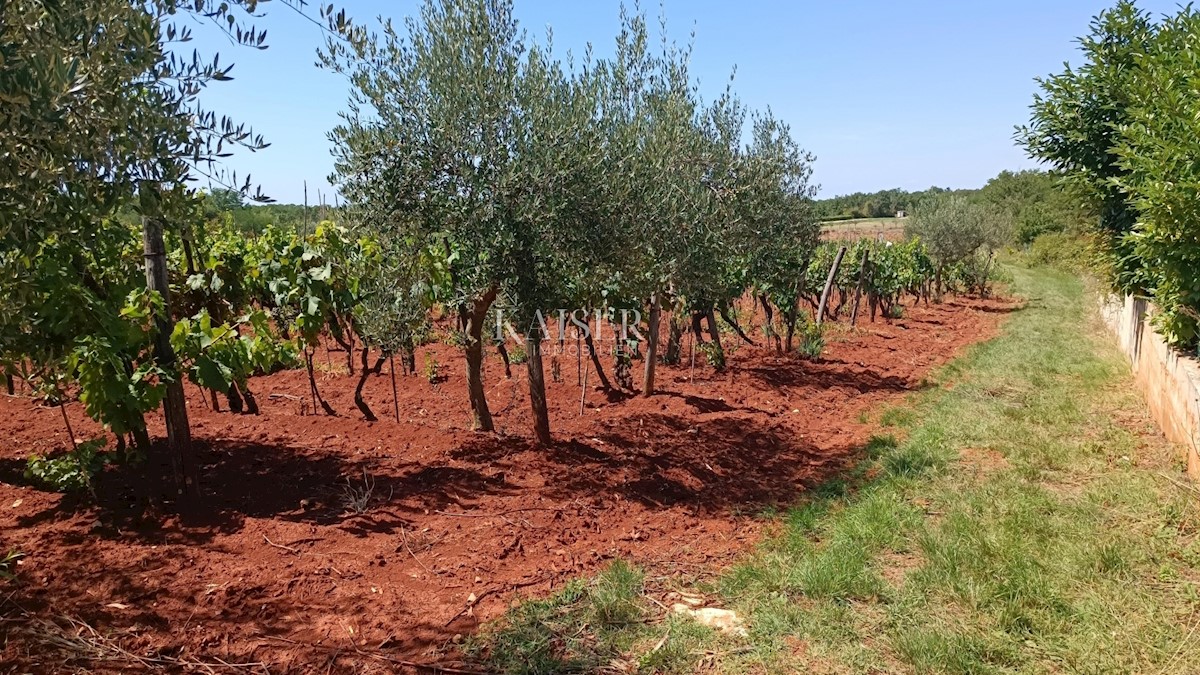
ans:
(671, 483)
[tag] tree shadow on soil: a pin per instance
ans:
(45, 629)
(827, 374)
(242, 480)
(735, 460)
(742, 461)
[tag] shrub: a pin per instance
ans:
(1034, 222)
(1123, 128)
(713, 355)
(812, 340)
(72, 471)
(517, 355)
(1060, 249)
(976, 274)
(1035, 201)
(432, 369)
(8, 564)
(1158, 151)
(954, 229)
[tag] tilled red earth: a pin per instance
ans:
(279, 569)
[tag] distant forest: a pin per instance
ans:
(253, 218)
(882, 204)
(1035, 200)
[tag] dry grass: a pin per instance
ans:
(891, 229)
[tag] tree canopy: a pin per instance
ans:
(539, 184)
(1122, 129)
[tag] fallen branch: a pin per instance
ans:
(1182, 486)
(281, 546)
(506, 588)
(497, 515)
(376, 654)
(404, 538)
(87, 644)
(471, 604)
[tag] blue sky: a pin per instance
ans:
(895, 93)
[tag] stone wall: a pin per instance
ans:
(1168, 379)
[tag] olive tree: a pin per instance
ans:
(710, 272)
(553, 193)
(392, 314)
(669, 164)
(462, 136)
(953, 229)
(780, 230)
(430, 134)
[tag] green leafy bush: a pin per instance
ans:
(517, 354)
(72, 471)
(8, 565)
(1124, 129)
(976, 274)
(219, 357)
(713, 355)
(1036, 202)
(1157, 151)
(1060, 249)
(812, 340)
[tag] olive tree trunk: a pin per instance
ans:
(473, 319)
(651, 346)
(537, 387)
(358, 390)
(715, 333)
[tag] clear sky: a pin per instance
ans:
(886, 93)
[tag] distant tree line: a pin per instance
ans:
(882, 204)
(1034, 200)
(253, 218)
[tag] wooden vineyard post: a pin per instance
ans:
(837, 262)
(312, 388)
(583, 387)
(395, 392)
(306, 209)
(692, 357)
(179, 435)
(862, 278)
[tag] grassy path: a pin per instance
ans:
(1025, 517)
